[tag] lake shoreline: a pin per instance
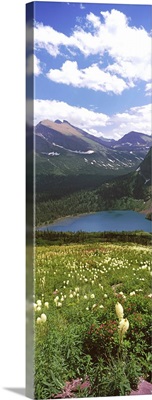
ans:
(66, 217)
(145, 212)
(79, 222)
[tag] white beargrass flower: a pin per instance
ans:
(38, 320)
(132, 293)
(34, 306)
(123, 326)
(119, 311)
(85, 296)
(56, 299)
(39, 302)
(46, 304)
(101, 306)
(92, 296)
(71, 295)
(38, 308)
(59, 304)
(43, 317)
(105, 295)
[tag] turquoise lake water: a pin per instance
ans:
(101, 222)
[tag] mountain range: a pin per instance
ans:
(73, 149)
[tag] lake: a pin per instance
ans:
(102, 221)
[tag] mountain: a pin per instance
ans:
(70, 149)
(70, 160)
(135, 143)
(135, 138)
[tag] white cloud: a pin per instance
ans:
(37, 67)
(79, 116)
(95, 21)
(130, 71)
(129, 47)
(33, 65)
(148, 89)
(136, 119)
(92, 78)
(114, 126)
(45, 37)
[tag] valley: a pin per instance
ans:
(79, 173)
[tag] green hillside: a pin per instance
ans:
(131, 191)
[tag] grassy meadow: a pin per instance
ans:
(79, 333)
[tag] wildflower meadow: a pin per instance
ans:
(92, 313)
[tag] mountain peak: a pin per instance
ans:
(133, 137)
(66, 122)
(57, 121)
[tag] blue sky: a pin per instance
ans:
(92, 66)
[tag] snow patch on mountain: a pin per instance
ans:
(74, 151)
(50, 154)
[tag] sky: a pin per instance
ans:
(92, 66)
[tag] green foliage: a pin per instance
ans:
(110, 379)
(102, 339)
(52, 237)
(77, 287)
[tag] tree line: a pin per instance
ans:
(52, 237)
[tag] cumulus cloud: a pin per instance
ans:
(114, 126)
(129, 70)
(135, 119)
(52, 109)
(45, 37)
(33, 65)
(94, 20)
(129, 47)
(92, 78)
